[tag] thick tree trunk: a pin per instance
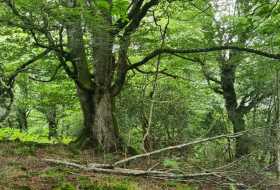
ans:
(95, 92)
(104, 124)
(83, 79)
(103, 63)
(87, 136)
(6, 100)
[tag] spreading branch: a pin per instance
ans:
(138, 16)
(172, 51)
(25, 65)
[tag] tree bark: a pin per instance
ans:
(235, 115)
(51, 115)
(241, 143)
(275, 129)
(87, 107)
(84, 84)
(22, 119)
(103, 62)
(106, 128)
(95, 92)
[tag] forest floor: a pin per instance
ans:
(22, 167)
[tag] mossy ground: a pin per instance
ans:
(22, 168)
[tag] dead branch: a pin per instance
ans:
(164, 175)
(178, 147)
(154, 174)
(104, 168)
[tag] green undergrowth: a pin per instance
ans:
(30, 136)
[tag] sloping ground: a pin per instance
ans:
(22, 168)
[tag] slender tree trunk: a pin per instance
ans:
(276, 132)
(242, 144)
(22, 118)
(51, 116)
(147, 140)
(234, 114)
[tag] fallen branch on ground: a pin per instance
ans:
(113, 169)
(104, 168)
(161, 175)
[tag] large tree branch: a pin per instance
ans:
(138, 12)
(30, 26)
(25, 65)
(206, 74)
(172, 51)
(134, 10)
(135, 22)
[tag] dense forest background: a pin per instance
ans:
(144, 77)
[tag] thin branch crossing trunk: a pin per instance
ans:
(147, 139)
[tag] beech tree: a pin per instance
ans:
(91, 41)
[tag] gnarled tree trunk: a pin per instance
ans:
(102, 47)
(106, 128)
(94, 88)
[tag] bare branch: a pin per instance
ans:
(162, 72)
(104, 168)
(179, 147)
(172, 51)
